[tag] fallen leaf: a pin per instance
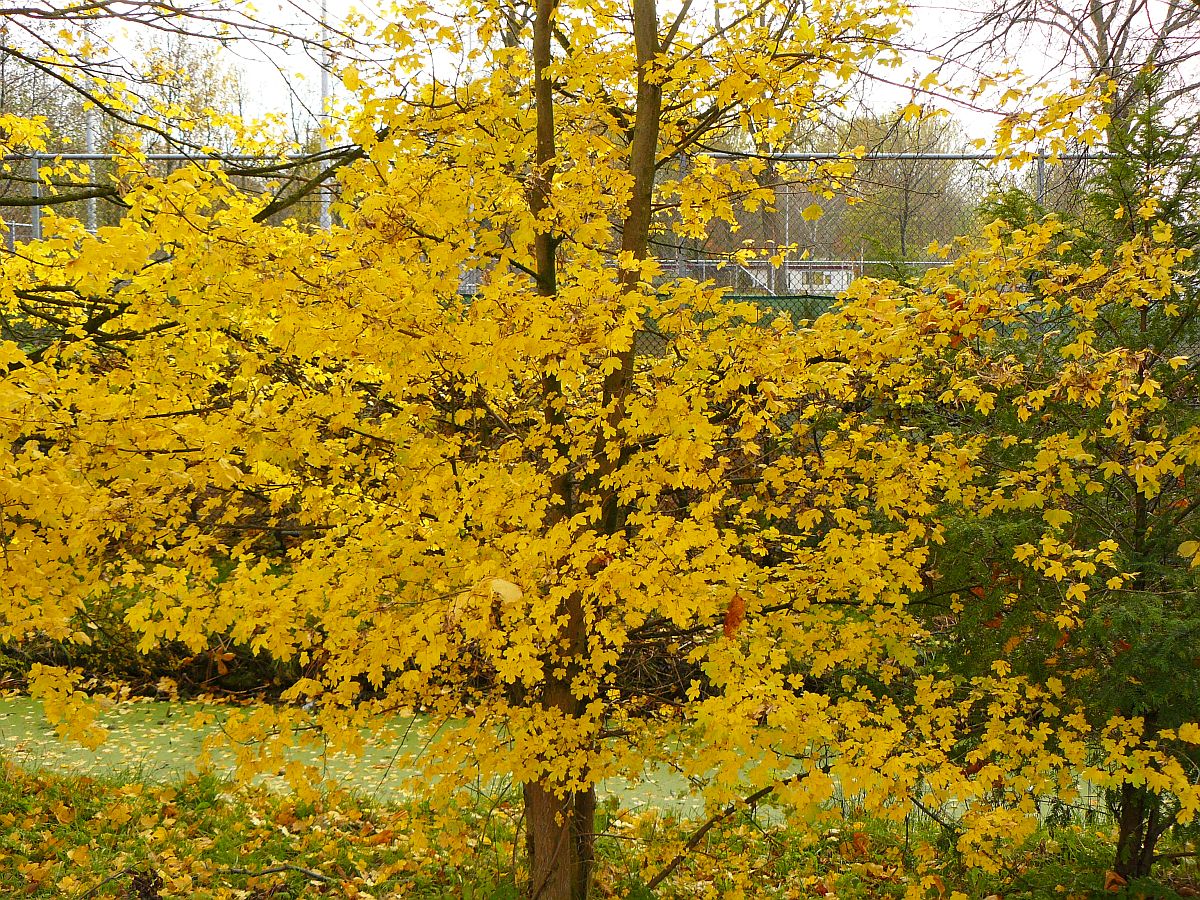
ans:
(861, 842)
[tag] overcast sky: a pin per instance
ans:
(290, 82)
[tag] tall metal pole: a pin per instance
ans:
(35, 211)
(787, 238)
(323, 118)
(89, 144)
(1041, 177)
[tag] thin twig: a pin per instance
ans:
(699, 833)
(948, 826)
(1181, 855)
(110, 878)
(283, 867)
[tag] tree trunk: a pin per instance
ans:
(560, 842)
(1140, 823)
(560, 830)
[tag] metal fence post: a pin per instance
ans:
(1041, 177)
(326, 220)
(35, 211)
(681, 266)
(89, 140)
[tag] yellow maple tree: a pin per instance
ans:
(490, 507)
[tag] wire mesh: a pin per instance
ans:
(879, 222)
(29, 178)
(816, 238)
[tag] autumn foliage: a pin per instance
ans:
(490, 508)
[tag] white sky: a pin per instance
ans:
(289, 82)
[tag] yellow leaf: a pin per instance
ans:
(505, 590)
(1056, 517)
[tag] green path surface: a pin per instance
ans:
(158, 741)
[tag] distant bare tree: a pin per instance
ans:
(56, 58)
(1119, 40)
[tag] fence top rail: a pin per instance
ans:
(715, 154)
(156, 157)
(831, 262)
(868, 157)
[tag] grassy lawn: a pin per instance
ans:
(70, 836)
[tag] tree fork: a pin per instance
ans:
(559, 829)
(635, 233)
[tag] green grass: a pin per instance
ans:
(71, 836)
(64, 836)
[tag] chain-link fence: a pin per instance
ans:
(797, 253)
(818, 236)
(31, 185)
(811, 242)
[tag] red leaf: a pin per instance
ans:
(597, 563)
(735, 615)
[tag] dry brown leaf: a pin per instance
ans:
(734, 615)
